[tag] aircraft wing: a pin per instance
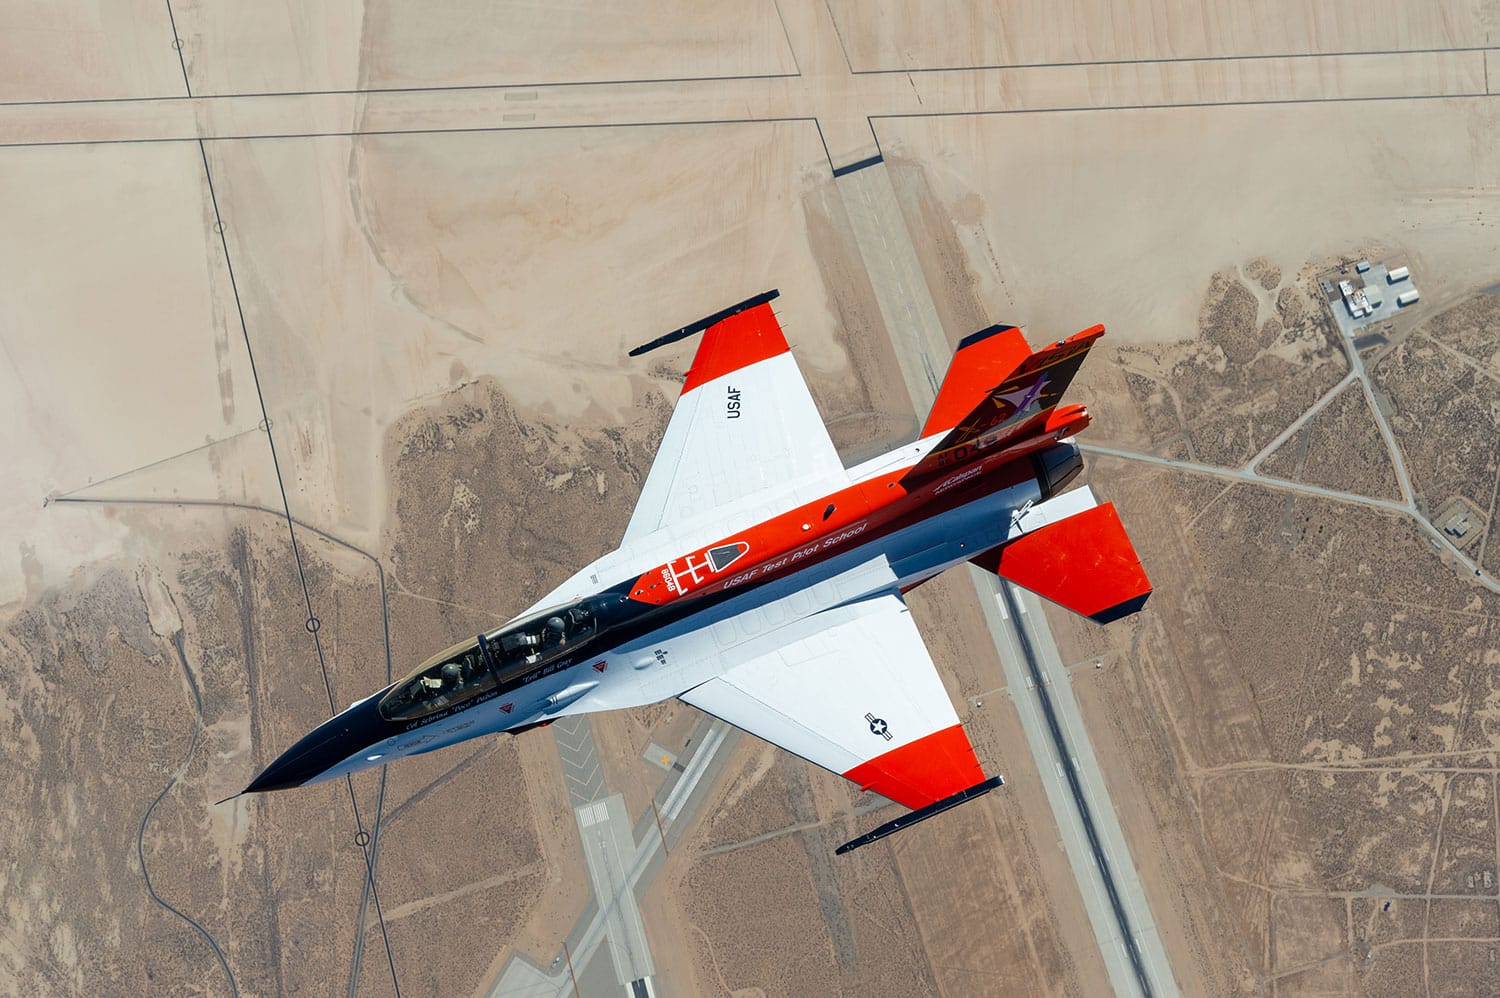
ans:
(860, 698)
(745, 433)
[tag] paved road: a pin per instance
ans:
(605, 834)
(1357, 373)
(841, 103)
(1093, 840)
(1249, 473)
(1245, 475)
(1300, 421)
(900, 286)
(1357, 368)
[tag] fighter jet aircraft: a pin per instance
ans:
(762, 581)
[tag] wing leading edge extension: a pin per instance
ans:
(861, 699)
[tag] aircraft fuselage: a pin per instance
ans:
(662, 629)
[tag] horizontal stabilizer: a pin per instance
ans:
(1084, 562)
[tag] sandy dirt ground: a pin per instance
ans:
(402, 44)
(958, 907)
(1072, 219)
(907, 35)
(1300, 733)
(402, 279)
(455, 256)
(81, 51)
(343, 350)
(123, 349)
(1309, 754)
(1300, 729)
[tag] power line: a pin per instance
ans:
(361, 838)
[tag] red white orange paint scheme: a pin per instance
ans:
(762, 581)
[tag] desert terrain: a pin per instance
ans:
(313, 360)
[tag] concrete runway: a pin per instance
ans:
(1093, 840)
(607, 948)
(1095, 844)
(604, 829)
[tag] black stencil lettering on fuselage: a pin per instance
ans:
(732, 404)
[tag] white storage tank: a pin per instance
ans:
(1399, 274)
(1406, 298)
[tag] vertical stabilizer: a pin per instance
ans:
(1010, 405)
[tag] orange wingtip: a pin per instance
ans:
(922, 772)
(737, 342)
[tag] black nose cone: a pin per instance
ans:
(329, 744)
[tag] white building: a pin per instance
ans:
(1358, 305)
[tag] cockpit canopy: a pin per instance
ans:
(477, 666)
